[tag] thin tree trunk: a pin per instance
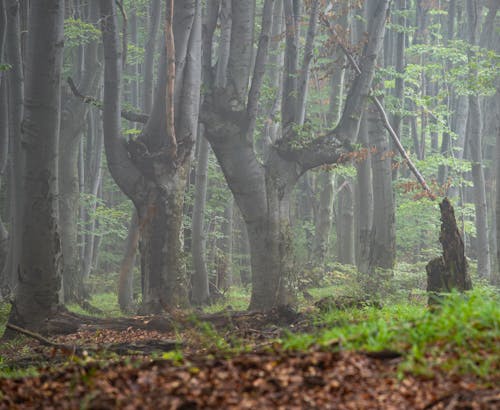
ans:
(224, 271)
(200, 290)
(475, 144)
(149, 54)
(126, 281)
(15, 79)
(383, 246)
(4, 150)
(94, 176)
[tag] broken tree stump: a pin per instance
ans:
(449, 271)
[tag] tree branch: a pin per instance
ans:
(128, 115)
(260, 64)
(388, 126)
(46, 342)
(170, 51)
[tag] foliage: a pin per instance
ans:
(461, 337)
(78, 33)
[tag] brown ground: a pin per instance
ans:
(266, 378)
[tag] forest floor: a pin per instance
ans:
(345, 357)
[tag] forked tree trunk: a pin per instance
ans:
(262, 192)
(152, 170)
(39, 270)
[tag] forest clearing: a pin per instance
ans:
(250, 204)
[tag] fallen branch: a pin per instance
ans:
(71, 349)
(144, 346)
(128, 115)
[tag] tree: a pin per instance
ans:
(262, 190)
(475, 143)
(15, 99)
(73, 122)
(152, 169)
(39, 269)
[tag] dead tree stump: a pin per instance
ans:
(449, 271)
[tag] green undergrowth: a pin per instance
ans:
(106, 302)
(236, 298)
(462, 336)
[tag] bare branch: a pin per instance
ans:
(128, 115)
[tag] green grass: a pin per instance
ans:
(107, 302)
(463, 336)
(238, 298)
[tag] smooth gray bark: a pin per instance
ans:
(93, 159)
(73, 122)
(149, 54)
(262, 193)
(15, 100)
(200, 290)
(4, 150)
(126, 280)
(345, 223)
(224, 268)
(39, 269)
(475, 144)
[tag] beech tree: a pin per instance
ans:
(262, 190)
(39, 267)
(152, 168)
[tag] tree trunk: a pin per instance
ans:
(364, 200)
(152, 170)
(224, 271)
(15, 97)
(149, 54)
(345, 222)
(262, 192)
(162, 264)
(323, 219)
(4, 150)
(200, 290)
(126, 281)
(94, 176)
(39, 271)
(475, 144)
(383, 235)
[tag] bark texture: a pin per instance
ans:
(449, 271)
(262, 192)
(39, 269)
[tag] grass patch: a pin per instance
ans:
(461, 337)
(107, 302)
(236, 298)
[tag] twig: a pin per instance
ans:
(128, 115)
